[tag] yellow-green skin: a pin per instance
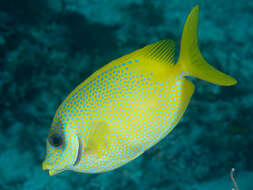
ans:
(128, 106)
(135, 107)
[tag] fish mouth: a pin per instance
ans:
(51, 172)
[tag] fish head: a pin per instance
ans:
(62, 149)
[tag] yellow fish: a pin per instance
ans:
(128, 106)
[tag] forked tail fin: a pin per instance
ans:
(190, 59)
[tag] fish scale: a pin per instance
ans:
(128, 105)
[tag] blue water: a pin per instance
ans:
(49, 47)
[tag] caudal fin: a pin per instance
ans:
(190, 59)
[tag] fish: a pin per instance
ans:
(129, 105)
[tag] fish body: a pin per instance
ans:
(133, 110)
(127, 106)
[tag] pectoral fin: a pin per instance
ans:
(99, 141)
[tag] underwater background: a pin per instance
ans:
(48, 47)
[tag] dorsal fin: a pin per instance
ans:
(155, 58)
(98, 142)
(162, 51)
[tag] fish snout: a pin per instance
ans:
(51, 172)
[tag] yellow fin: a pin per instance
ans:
(98, 141)
(156, 58)
(190, 58)
(162, 51)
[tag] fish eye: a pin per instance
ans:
(55, 140)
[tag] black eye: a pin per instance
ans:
(55, 140)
